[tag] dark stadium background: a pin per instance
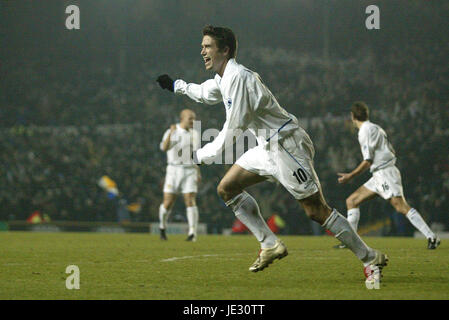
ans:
(79, 104)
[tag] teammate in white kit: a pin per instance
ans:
(182, 174)
(284, 152)
(379, 157)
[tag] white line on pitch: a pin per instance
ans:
(189, 257)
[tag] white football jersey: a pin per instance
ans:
(249, 104)
(375, 146)
(182, 143)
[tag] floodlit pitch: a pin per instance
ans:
(140, 266)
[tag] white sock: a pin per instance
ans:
(163, 216)
(354, 217)
(192, 219)
(247, 211)
(338, 225)
(418, 222)
(197, 218)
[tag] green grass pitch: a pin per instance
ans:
(140, 266)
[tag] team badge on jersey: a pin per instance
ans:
(229, 103)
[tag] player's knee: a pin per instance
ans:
(168, 204)
(351, 202)
(190, 202)
(317, 211)
(227, 191)
(400, 205)
(311, 214)
(399, 209)
(316, 207)
(318, 215)
(222, 191)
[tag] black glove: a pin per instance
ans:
(166, 82)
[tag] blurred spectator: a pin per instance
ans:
(63, 134)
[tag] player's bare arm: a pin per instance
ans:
(166, 142)
(346, 177)
(199, 174)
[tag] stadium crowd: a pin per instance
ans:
(59, 135)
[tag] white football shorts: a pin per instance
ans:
(289, 161)
(386, 182)
(181, 179)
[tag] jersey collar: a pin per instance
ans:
(178, 126)
(363, 124)
(230, 66)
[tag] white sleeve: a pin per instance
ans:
(163, 139)
(208, 92)
(368, 140)
(239, 98)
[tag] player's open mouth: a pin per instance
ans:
(206, 60)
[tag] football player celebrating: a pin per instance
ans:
(284, 152)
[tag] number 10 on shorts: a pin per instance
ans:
(300, 175)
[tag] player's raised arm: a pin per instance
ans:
(165, 144)
(207, 92)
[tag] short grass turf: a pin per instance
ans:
(140, 266)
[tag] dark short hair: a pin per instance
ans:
(360, 111)
(224, 38)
